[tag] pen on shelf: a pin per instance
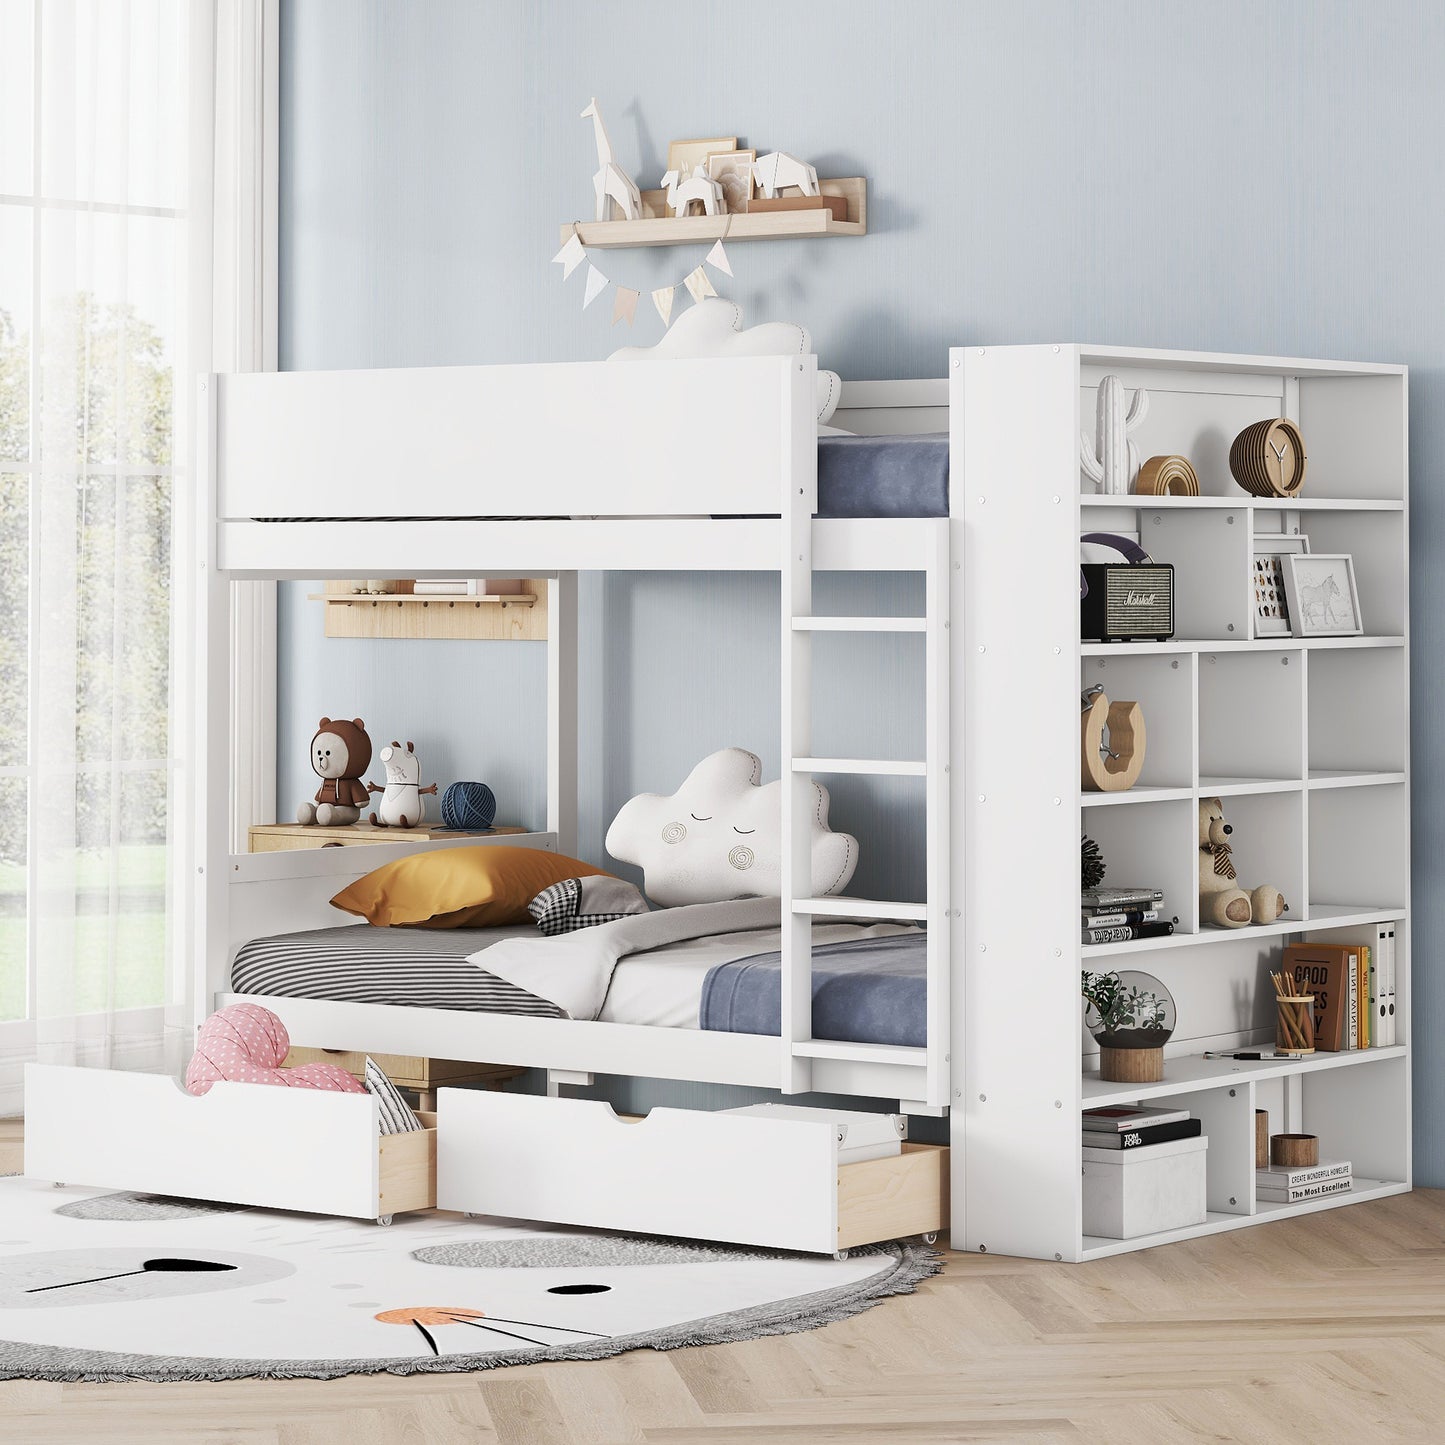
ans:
(1253, 1054)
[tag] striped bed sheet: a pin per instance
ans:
(414, 967)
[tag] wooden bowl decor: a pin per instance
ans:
(1268, 458)
(1110, 765)
(1294, 1151)
(1167, 477)
(1131, 1016)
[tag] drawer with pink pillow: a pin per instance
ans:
(314, 1150)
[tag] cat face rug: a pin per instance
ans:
(97, 1285)
(720, 836)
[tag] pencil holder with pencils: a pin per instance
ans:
(1294, 1020)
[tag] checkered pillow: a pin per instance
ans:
(394, 1112)
(584, 903)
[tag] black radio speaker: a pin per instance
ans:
(1131, 601)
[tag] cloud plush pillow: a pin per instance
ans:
(720, 836)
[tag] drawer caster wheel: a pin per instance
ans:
(840, 1255)
(467, 1214)
(59, 1184)
(383, 1219)
(930, 1238)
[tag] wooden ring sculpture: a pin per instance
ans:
(1268, 459)
(1117, 767)
(1167, 476)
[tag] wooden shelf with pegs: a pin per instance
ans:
(494, 617)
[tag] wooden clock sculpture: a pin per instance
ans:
(1268, 459)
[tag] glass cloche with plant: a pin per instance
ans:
(1128, 1010)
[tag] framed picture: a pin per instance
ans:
(733, 171)
(1271, 605)
(1320, 590)
(687, 155)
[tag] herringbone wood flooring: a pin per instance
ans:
(1330, 1328)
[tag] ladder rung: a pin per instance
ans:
(857, 1053)
(880, 767)
(860, 908)
(860, 624)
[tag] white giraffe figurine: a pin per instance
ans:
(778, 170)
(614, 187)
(681, 193)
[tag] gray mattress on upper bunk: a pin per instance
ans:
(873, 476)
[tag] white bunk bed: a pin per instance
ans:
(449, 447)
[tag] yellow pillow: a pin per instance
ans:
(482, 887)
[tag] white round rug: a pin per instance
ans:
(106, 1286)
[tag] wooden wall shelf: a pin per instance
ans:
(510, 617)
(659, 227)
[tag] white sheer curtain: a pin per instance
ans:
(107, 162)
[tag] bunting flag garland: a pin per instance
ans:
(624, 305)
(624, 308)
(570, 256)
(596, 285)
(698, 286)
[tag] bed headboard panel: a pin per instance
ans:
(679, 438)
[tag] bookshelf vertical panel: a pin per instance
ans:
(1015, 443)
(1228, 1118)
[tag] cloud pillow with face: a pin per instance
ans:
(720, 836)
(715, 328)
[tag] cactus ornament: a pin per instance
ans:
(1112, 462)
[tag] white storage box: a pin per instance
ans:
(1129, 1192)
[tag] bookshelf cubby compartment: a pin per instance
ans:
(1359, 723)
(1163, 686)
(1304, 738)
(1150, 845)
(1251, 719)
(1359, 845)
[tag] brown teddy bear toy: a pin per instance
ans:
(1222, 901)
(340, 754)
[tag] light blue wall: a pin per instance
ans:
(1221, 174)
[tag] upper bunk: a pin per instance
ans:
(696, 464)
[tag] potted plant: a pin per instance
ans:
(1131, 1016)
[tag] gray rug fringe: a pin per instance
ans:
(909, 1266)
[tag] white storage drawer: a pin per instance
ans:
(1129, 1192)
(301, 1149)
(736, 1178)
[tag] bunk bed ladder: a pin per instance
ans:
(801, 1049)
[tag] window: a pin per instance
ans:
(97, 347)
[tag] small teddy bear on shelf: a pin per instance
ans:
(401, 798)
(1222, 902)
(340, 754)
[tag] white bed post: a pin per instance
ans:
(799, 500)
(958, 662)
(211, 731)
(562, 711)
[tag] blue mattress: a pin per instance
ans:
(867, 991)
(904, 476)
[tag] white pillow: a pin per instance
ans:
(720, 836)
(715, 328)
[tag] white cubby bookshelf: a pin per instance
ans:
(1305, 740)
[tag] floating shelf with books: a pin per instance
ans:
(1303, 739)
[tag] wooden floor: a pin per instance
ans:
(1331, 1328)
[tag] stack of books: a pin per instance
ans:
(1353, 986)
(1282, 1185)
(1115, 915)
(1131, 1126)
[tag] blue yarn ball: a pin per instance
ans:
(468, 806)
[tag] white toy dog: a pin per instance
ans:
(401, 798)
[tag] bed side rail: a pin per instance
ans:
(679, 438)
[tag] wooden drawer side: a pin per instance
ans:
(891, 1198)
(407, 1169)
